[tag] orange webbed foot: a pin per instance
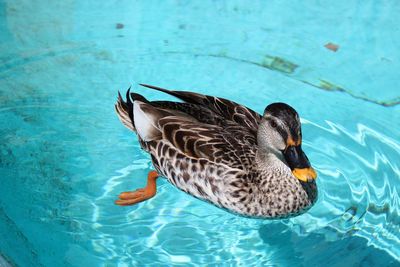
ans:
(139, 195)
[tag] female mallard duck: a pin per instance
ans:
(223, 152)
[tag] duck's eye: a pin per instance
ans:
(273, 124)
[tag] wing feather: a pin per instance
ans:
(210, 142)
(223, 107)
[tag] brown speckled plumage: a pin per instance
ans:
(207, 147)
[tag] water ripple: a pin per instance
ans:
(358, 208)
(359, 172)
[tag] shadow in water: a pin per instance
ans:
(315, 249)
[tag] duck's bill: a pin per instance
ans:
(299, 164)
(305, 174)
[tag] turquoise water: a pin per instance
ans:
(64, 155)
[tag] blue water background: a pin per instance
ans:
(64, 155)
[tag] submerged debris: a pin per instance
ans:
(279, 64)
(119, 26)
(330, 86)
(331, 46)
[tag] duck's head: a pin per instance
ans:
(280, 133)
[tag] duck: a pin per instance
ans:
(222, 152)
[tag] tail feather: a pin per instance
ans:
(125, 111)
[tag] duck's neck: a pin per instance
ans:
(268, 159)
(270, 163)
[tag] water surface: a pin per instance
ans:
(64, 155)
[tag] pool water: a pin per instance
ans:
(64, 155)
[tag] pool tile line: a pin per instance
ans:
(287, 68)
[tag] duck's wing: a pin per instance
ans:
(227, 109)
(231, 144)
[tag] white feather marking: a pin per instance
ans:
(144, 122)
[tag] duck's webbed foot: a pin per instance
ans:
(139, 195)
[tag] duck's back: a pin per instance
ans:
(204, 127)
